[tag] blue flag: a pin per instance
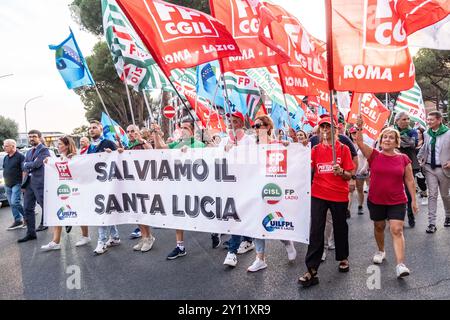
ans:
(111, 130)
(207, 85)
(71, 64)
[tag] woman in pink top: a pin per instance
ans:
(390, 171)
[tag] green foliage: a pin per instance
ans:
(82, 131)
(9, 129)
(88, 14)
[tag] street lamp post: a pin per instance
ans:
(25, 111)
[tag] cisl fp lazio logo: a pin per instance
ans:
(66, 212)
(64, 192)
(272, 193)
(276, 162)
(275, 221)
(63, 170)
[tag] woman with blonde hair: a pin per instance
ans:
(390, 172)
(67, 150)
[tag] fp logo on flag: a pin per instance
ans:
(63, 170)
(276, 162)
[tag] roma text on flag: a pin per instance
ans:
(176, 36)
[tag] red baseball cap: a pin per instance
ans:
(238, 115)
(353, 130)
(327, 119)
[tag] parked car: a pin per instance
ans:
(3, 199)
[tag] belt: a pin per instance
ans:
(436, 165)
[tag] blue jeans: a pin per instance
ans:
(104, 232)
(14, 195)
(235, 242)
(260, 245)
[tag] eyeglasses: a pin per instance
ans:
(131, 131)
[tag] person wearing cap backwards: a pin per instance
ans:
(237, 244)
(390, 171)
(329, 191)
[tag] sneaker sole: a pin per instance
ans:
(402, 275)
(313, 282)
(179, 255)
(81, 245)
(147, 249)
(51, 249)
(256, 269)
(242, 252)
(15, 228)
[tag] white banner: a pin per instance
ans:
(256, 191)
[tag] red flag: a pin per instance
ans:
(373, 112)
(367, 47)
(419, 14)
(243, 22)
(303, 74)
(176, 36)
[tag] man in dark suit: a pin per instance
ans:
(33, 183)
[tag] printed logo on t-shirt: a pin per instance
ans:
(327, 167)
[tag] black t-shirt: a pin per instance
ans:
(315, 140)
(12, 169)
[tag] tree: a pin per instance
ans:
(433, 75)
(82, 131)
(9, 129)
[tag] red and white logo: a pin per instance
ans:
(63, 170)
(175, 22)
(169, 112)
(383, 27)
(276, 162)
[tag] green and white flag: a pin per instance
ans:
(411, 102)
(134, 64)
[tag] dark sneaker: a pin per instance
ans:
(26, 238)
(177, 252)
(41, 228)
(68, 229)
(431, 229)
(15, 225)
(447, 222)
(215, 240)
(360, 210)
(412, 223)
(348, 214)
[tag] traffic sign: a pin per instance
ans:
(169, 112)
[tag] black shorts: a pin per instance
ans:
(381, 212)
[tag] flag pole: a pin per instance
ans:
(333, 129)
(150, 113)
(129, 102)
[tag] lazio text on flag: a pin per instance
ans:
(411, 102)
(133, 62)
(71, 64)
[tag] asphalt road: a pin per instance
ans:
(121, 273)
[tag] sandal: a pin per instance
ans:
(309, 279)
(344, 266)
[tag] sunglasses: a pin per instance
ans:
(258, 125)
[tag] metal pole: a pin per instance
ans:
(25, 110)
(129, 102)
(150, 112)
(7, 75)
(333, 131)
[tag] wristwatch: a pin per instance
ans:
(353, 177)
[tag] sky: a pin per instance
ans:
(28, 27)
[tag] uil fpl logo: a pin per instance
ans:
(66, 212)
(272, 193)
(275, 221)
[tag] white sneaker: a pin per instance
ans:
(424, 201)
(51, 246)
(147, 244)
(401, 270)
(101, 248)
(230, 260)
(291, 252)
(112, 242)
(257, 265)
(245, 246)
(83, 241)
(379, 257)
(138, 246)
(324, 255)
